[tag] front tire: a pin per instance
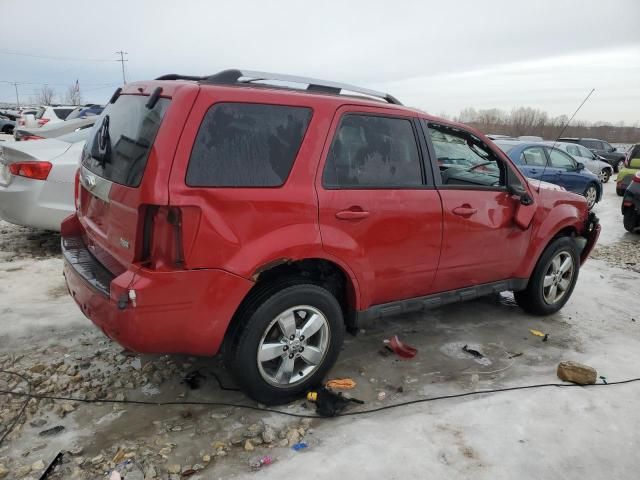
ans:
(553, 279)
(288, 337)
(591, 194)
(605, 175)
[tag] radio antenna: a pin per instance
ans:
(563, 129)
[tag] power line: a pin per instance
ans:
(51, 57)
(122, 60)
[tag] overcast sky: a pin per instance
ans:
(440, 56)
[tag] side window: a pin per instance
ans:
(534, 157)
(464, 159)
(560, 159)
(606, 147)
(373, 152)
(574, 150)
(585, 152)
(246, 145)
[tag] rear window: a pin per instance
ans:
(63, 113)
(247, 145)
(120, 141)
(77, 136)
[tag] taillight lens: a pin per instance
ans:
(76, 189)
(636, 178)
(33, 170)
(42, 121)
(31, 137)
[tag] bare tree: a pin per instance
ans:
(45, 95)
(74, 95)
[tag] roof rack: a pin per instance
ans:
(235, 76)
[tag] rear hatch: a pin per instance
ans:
(125, 168)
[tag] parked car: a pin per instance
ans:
(544, 162)
(45, 114)
(219, 214)
(6, 125)
(631, 205)
(601, 148)
(589, 159)
(85, 111)
(630, 168)
(53, 130)
(37, 180)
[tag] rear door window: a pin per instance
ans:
(534, 157)
(63, 113)
(560, 159)
(373, 152)
(120, 141)
(247, 145)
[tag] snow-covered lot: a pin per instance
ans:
(570, 433)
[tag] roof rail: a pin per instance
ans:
(235, 76)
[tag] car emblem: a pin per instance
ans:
(124, 243)
(91, 181)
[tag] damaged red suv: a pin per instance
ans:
(261, 215)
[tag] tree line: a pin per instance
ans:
(531, 121)
(47, 96)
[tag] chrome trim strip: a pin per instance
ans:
(98, 186)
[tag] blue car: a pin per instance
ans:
(549, 164)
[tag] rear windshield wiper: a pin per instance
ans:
(101, 146)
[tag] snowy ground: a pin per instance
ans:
(572, 433)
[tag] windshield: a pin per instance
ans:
(120, 141)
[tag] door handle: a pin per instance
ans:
(352, 214)
(464, 211)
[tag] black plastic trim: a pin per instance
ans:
(436, 300)
(86, 265)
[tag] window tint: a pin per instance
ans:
(464, 159)
(369, 151)
(247, 145)
(560, 159)
(120, 141)
(585, 152)
(593, 144)
(534, 157)
(62, 113)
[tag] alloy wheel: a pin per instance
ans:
(604, 176)
(293, 346)
(591, 194)
(558, 278)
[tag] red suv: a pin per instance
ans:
(238, 213)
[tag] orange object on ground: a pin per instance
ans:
(341, 384)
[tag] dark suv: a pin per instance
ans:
(225, 213)
(601, 148)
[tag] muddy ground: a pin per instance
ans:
(572, 433)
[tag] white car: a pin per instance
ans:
(44, 115)
(37, 180)
(589, 159)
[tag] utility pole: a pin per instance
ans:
(122, 60)
(15, 84)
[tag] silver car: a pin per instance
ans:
(53, 130)
(589, 159)
(37, 180)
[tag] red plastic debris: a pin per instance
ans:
(401, 349)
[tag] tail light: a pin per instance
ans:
(167, 233)
(76, 189)
(636, 178)
(33, 170)
(31, 137)
(21, 122)
(42, 121)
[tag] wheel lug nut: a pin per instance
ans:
(292, 337)
(301, 349)
(285, 348)
(291, 355)
(301, 337)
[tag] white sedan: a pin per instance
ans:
(585, 156)
(37, 180)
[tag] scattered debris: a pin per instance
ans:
(56, 460)
(537, 333)
(577, 373)
(257, 462)
(341, 384)
(51, 431)
(401, 349)
(604, 379)
(473, 352)
(300, 446)
(514, 355)
(382, 396)
(328, 403)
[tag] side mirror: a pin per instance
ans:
(614, 149)
(519, 191)
(579, 166)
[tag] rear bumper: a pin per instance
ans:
(185, 311)
(591, 234)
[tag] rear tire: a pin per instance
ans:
(551, 285)
(270, 358)
(620, 192)
(7, 129)
(591, 194)
(631, 220)
(605, 175)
